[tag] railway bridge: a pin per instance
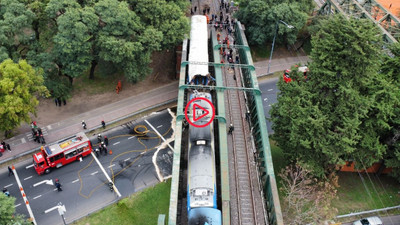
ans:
(247, 190)
(369, 9)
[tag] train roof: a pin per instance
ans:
(67, 143)
(200, 133)
(198, 50)
(203, 216)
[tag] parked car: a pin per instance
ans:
(374, 220)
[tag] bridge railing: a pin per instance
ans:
(259, 131)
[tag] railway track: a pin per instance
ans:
(245, 187)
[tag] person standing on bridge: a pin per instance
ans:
(231, 128)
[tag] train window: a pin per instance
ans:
(200, 142)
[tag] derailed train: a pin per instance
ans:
(202, 182)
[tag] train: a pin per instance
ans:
(202, 205)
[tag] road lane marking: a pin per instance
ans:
(270, 89)
(29, 166)
(8, 185)
(158, 134)
(111, 166)
(116, 143)
(159, 126)
(75, 181)
(51, 209)
(94, 173)
(37, 196)
(131, 137)
(49, 127)
(23, 140)
(28, 178)
(126, 159)
(15, 206)
(265, 99)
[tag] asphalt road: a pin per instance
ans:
(269, 91)
(84, 184)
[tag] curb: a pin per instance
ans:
(92, 129)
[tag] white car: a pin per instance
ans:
(374, 220)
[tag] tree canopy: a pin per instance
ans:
(261, 17)
(7, 212)
(20, 84)
(341, 111)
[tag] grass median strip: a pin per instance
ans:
(140, 208)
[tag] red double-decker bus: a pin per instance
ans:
(65, 151)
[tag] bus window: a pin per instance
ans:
(57, 157)
(71, 154)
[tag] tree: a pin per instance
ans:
(165, 17)
(306, 199)
(20, 85)
(124, 40)
(7, 212)
(72, 47)
(261, 17)
(391, 70)
(341, 111)
(15, 23)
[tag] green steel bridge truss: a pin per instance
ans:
(370, 9)
(260, 133)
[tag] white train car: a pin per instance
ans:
(198, 51)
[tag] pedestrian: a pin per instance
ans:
(105, 150)
(204, 11)
(96, 150)
(231, 128)
(6, 192)
(229, 30)
(3, 143)
(195, 8)
(56, 101)
(40, 131)
(208, 10)
(64, 101)
(106, 140)
(103, 124)
(10, 171)
(191, 11)
(83, 124)
(59, 102)
(237, 59)
(221, 18)
(8, 147)
(37, 137)
(42, 139)
(58, 185)
(248, 115)
(99, 138)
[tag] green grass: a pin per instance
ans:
(260, 52)
(141, 208)
(356, 195)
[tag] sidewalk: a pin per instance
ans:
(278, 64)
(23, 145)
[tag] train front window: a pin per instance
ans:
(201, 142)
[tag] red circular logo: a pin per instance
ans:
(201, 116)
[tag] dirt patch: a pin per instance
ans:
(163, 66)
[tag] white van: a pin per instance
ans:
(369, 221)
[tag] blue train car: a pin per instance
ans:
(205, 216)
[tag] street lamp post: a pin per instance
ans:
(273, 41)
